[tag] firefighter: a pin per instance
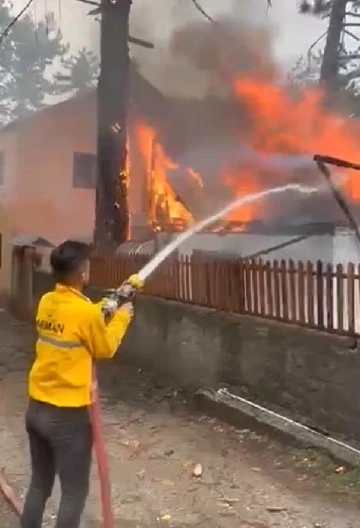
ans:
(71, 333)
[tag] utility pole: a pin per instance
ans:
(111, 210)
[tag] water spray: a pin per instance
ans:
(151, 266)
(126, 292)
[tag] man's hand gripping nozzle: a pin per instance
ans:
(114, 299)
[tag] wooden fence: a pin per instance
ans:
(307, 294)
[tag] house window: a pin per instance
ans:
(84, 171)
(2, 168)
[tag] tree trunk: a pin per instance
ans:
(329, 73)
(111, 213)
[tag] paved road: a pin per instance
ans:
(155, 440)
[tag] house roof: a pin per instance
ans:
(28, 240)
(143, 95)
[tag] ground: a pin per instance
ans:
(155, 439)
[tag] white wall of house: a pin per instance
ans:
(51, 206)
(340, 248)
(38, 196)
(346, 248)
(8, 175)
(246, 244)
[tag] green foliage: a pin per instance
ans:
(26, 54)
(79, 72)
(305, 71)
(315, 7)
(30, 54)
(322, 8)
(348, 45)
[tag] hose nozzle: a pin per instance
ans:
(114, 299)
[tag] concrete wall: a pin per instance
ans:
(313, 376)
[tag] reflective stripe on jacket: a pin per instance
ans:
(71, 332)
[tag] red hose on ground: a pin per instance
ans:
(100, 453)
(15, 502)
(10, 496)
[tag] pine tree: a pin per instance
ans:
(339, 66)
(26, 54)
(79, 72)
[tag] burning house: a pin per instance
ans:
(188, 157)
(265, 137)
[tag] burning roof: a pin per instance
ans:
(264, 136)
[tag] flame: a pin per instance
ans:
(195, 176)
(281, 123)
(165, 207)
(278, 122)
(242, 182)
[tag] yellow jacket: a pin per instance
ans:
(71, 333)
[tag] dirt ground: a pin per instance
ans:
(155, 439)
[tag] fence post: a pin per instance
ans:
(320, 294)
(292, 292)
(329, 297)
(301, 292)
(277, 289)
(262, 287)
(351, 298)
(284, 291)
(241, 285)
(310, 293)
(340, 297)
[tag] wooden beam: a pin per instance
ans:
(135, 40)
(141, 42)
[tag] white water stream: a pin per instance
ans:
(151, 266)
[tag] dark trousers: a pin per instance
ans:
(60, 443)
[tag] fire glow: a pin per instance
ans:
(277, 123)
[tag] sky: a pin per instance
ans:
(291, 40)
(161, 16)
(71, 16)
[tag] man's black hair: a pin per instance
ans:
(67, 258)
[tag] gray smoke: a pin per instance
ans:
(188, 61)
(215, 158)
(199, 61)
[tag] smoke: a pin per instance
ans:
(195, 58)
(216, 158)
(211, 129)
(228, 157)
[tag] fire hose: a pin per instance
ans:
(113, 300)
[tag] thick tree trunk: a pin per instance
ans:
(112, 217)
(329, 74)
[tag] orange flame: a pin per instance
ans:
(165, 207)
(196, 176)
(284, 124)
(242, 183)
(280, 123)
